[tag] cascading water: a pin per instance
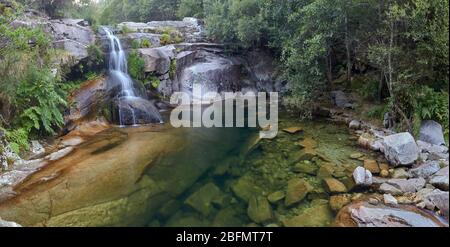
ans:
(132, 106)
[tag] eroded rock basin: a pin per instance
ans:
(161, 176)
(118, 178)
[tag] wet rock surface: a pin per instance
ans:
(366, 215)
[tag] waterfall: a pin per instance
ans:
(133, 107)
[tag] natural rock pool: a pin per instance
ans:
(161, 176)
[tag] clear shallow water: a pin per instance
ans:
(161, 176)
(220, 196)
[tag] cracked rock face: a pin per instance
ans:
(71, 35)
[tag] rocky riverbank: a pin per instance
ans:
(406, 171)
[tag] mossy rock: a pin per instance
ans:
(259, 209)
(297, 190)
(245, 188)
(202, 199)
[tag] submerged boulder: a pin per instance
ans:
(431, 132)
(318, 215)
(259, 209)
(296, 191)
(401, 149)
(202, 199)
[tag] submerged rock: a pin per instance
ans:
(293, 130)
(431, 132)
(339, 201)
(372, 166)
(259, 209)
(245, 188)
(202, 199)
(333, 185)
(276, 196)
(318, 215)
(363, 214)
(297, 190)
(401, 149)
(228, 217)
(305, 167)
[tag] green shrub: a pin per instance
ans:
(173, 68)
(155, 82)
(377, 112)
(146, 43)
(431, 105)
(95, 55)
(165, 39)
(18, 139)
(125, 29)
(136, 66)
(135, 44)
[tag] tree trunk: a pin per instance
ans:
(329, 68)
(348, 52)
(380, 86)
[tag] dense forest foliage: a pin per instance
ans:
(393, 52)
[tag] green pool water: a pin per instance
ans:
(235, 167)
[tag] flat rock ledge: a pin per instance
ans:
(363, 214)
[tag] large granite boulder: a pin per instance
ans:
(431, 132)
(133, 110)
(401, 149)
(363, 214)
(158, 60)
(71, 35)
(212, 72)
